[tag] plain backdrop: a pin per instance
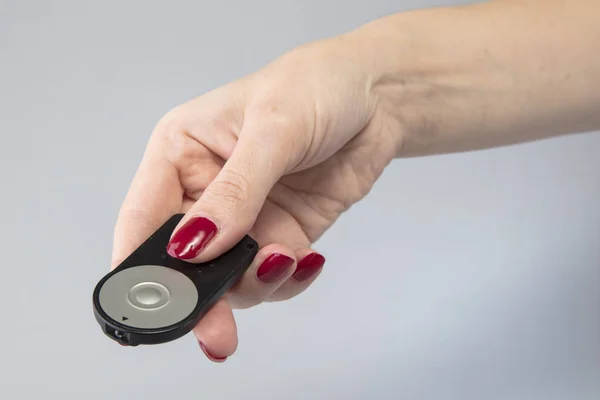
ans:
(470, 276)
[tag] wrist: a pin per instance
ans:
(420, 78)
(484, 75)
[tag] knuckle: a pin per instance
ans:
(228, 190)
(171, 122)
(281, 119)
(283, 126)
(231, 191)
(170, 138)
(278, 117)
(235, 186)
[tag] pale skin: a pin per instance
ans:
(282, 153)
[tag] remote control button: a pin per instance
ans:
(149, 295)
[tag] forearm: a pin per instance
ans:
(486, 75)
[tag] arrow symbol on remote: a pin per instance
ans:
(124, 318)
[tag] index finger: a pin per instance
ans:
(154, 196)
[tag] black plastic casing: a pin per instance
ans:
(212, 280)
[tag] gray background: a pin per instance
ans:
(471, 276)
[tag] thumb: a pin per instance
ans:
(229, 206)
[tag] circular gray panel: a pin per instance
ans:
(148, 296)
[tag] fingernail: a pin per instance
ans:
(210, 356)
(191, 238)
(308, 266)
(274, 267)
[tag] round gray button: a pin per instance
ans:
(149, 295)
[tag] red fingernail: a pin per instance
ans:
(191, 238)
(210, 356)
(274, 267)
(308, 266)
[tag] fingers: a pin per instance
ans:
(309, 267)
(216, 332)
(272, 266)
(153, 197)
(273, 276)
(274, 224)
(229, 206)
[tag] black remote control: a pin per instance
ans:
(152, 298)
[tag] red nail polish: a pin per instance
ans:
(308, 266)
(274, 267)
(210, 356)
(191, 238)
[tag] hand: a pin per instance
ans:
(279, 154)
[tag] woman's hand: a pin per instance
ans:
(279, 154)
